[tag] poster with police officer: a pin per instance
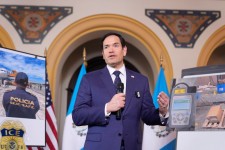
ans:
(22, 98)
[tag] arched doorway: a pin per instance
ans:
(212, 52)
(218, 56)
(65, 53)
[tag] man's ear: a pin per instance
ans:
(124, 50)
(103, 54)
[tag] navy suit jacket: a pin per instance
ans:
(106, 133)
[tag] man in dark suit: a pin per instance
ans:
(98, 103)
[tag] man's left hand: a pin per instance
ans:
(163, 101)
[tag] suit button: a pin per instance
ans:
(119, 134)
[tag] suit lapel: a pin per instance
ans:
(107, 81)
(129, 88)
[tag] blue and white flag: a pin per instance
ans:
(73, 136)
(156, 137)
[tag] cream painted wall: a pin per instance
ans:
(181, 58)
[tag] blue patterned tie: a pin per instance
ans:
(117, 79)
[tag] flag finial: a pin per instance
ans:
(84, 57)
(161, 61)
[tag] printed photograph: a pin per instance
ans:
(22, 92)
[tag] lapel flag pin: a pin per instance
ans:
(137, 93)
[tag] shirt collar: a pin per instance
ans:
(111, 70)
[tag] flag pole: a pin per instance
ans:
(45, 54)
(84, 57)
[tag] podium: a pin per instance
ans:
(200, 140)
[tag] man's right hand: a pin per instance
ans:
(117, 102)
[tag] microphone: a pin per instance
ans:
(119, 89)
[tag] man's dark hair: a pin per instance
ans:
(122, 40)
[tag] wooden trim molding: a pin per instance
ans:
(5, 39)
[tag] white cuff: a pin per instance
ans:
(106, 114)
(164, 116)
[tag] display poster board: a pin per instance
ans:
(209, 119)
(22, 111)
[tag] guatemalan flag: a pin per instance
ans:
(73, 136)
(156, 137)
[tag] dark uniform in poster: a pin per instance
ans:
(20, 103)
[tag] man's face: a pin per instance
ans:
(113, 52)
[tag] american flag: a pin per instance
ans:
(51, 134)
